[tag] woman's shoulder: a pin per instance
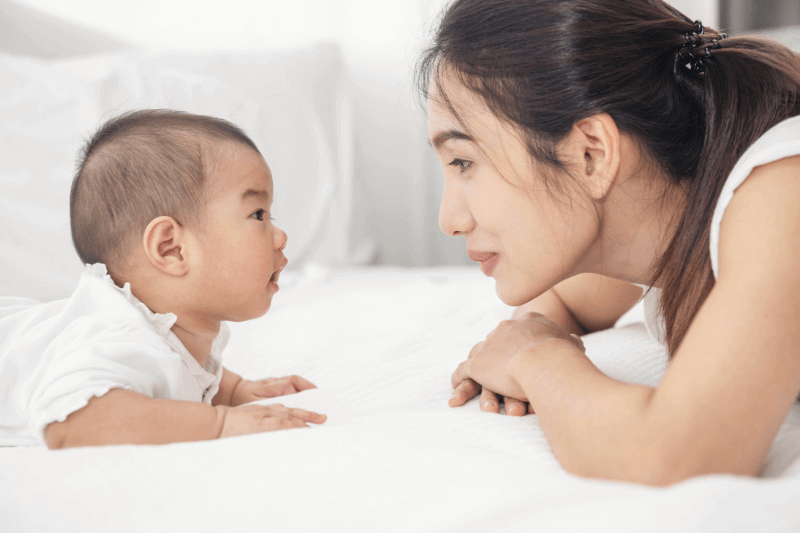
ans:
(762, 222)
(773, 153)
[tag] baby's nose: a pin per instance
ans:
(280, 239)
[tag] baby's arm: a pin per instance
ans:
(126, 417)
(234, 390)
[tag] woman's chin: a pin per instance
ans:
(508, 295)
(514, 295)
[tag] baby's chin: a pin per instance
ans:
(250, 312)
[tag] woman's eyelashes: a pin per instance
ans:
(462, 164)
(259, 215)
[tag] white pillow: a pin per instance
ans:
(296, 106)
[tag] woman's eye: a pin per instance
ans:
(461, 164)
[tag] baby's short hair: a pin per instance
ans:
(139, 166)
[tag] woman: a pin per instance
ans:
(591, 149)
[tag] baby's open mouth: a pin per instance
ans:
(277, 273)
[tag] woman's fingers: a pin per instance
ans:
(464, 391)
(578, 342)
(489, 402)
(514, 407)
(460, 375)
(475, 349)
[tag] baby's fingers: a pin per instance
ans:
(301, 384)
(277, 423)
(308, 416)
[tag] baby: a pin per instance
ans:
(170, 212)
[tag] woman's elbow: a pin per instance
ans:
(667, 467)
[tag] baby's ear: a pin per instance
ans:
(164, 246)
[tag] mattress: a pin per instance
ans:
(381, 344)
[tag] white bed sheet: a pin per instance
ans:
(381, 344)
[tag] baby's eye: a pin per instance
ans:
(259, 215)
(461, 164)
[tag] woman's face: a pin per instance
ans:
(526, 237)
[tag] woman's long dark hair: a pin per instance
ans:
(544, 65)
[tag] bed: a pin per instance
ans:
(380, 343)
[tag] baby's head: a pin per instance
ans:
(179, 206)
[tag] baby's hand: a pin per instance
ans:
(250, 391)
(260, 418)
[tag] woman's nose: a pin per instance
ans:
(454, 215)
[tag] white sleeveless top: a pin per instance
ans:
(782, 141)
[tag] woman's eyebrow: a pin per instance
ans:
(259, 193)
(451, 135)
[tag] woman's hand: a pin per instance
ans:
(487, 370)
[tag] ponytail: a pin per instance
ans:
(748, 86)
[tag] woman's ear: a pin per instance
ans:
(165, 246)
(596, 145)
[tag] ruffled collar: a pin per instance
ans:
(210, 373)
(162, 323)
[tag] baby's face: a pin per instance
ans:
(242, 250)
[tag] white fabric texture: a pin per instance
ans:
(296, 106)
(381, 345)
(781, 141)
(55, 357)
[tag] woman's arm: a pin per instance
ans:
(584, 303)
(729, 386)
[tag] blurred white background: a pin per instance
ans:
(396, 183)
(397, 179)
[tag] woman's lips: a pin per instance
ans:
(488, 260)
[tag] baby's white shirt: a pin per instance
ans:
(56, 356)
(781, 141)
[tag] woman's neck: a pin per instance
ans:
(640, 216)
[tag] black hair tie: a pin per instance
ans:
(697, 48)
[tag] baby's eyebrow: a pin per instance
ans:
(255, 192)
